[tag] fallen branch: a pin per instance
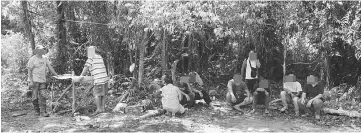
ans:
(152, 113)
(274, 101)
(342, 112)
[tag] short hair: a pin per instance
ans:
(168, 79)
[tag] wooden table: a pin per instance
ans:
(74, 79)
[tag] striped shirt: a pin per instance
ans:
(97, 69)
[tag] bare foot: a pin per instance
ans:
(253, 110)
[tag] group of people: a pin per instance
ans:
(184, 93)
(256, 90)
(37, 67)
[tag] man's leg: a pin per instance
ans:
(97, 99)
(35, 99)
(255, 100)
(42, 99)
(266, 102)
(284, 98)
(317, 104)
(295, 103)
(302, 107)
(105, 90)
(206, 97)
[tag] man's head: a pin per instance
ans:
(312, 79)
(252, 55)
(237, 78)
(167, 79)
(290, 78)
(39, 50)
(92, 50)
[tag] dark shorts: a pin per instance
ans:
(261, 97)
(250, 84)
(240, 98)
(100, 90)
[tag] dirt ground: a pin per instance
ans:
(198, 119)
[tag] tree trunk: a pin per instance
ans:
(61, 36)
(284, 57)
(325, 69)
(27, 23)
(164, 52)
(142, 46)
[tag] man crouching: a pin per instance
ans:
(238, 94)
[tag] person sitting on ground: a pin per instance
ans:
(171, 97)
(37, 66)
(291, 91)
(238, 94)
(312, 96)
(187, 94)
(261, 95)
(95, 64)
(196, 82)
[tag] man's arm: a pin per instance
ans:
(30, 74)
(229, 86)
(85, 69)
(243, 67)
(51, 69)
(258, 64)
(248, 93)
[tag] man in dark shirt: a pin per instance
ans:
(261, 94)
(312, 96)
(238, 94)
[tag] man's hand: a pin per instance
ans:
(309, 103)
(188, 99)
(303, 100)
(31, 83)
(81, 78)
(260, 89)
(233, 98)
(200, 94)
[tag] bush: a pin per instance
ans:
(14, 52)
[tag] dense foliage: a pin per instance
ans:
(311, 37)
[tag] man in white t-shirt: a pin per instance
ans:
(291, 91)
(251, 64)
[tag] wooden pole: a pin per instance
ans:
(73, 105)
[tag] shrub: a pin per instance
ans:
(14, 52)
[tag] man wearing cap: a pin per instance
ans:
(291, 91)
(312, 96)
(37, 66)
(238, 93)
(95, 65)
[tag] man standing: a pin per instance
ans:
(37, 66)
(291, 91)
(238, 93)
(251, 65)
(312, 96)
(95, 65)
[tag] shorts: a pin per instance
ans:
(289, 98)
(100, 90)
(240, 99)
(250, 84)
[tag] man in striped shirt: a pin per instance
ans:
(95, 65)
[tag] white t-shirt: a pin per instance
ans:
(248, 69)
(293, 86)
